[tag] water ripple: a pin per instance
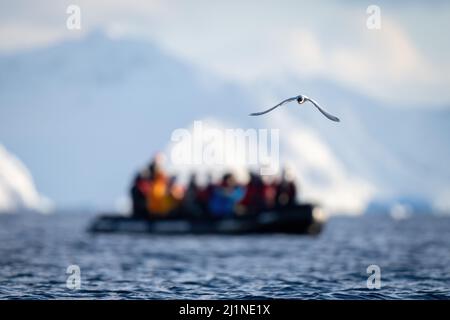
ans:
(413, 256)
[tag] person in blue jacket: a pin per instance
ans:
(225, 197)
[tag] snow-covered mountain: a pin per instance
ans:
(17, 189)
(86, 114)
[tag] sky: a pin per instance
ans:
(404, 63)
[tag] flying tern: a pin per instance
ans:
(300, 100)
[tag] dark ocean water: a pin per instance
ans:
(413, 255)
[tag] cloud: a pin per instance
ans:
(387, 65)
(18, 37)
(25, 24)
(265, 41)
(330, 42)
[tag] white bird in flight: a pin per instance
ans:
(300, 99)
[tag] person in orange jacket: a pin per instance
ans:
(162, 194)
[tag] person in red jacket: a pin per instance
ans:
(254, 201)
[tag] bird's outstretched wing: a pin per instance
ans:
(268, 110)
(325, 113)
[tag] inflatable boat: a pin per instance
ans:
(300, 219)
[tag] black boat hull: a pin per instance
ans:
(302, 219)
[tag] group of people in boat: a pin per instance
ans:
(154, 193)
